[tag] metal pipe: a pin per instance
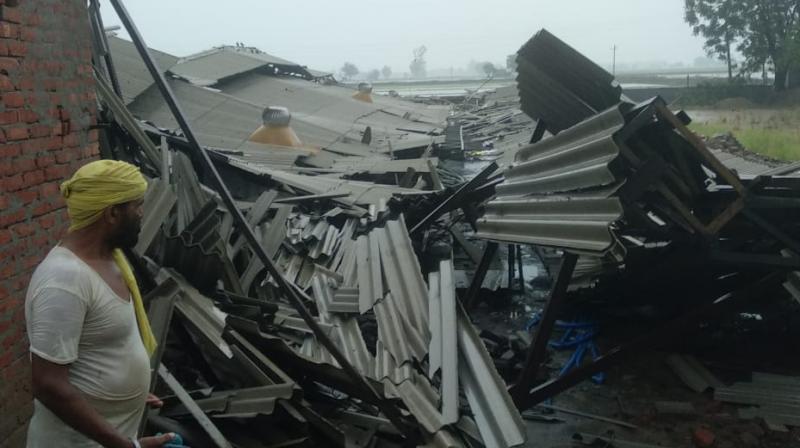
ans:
(512, 258)
(538, 347)
(479, 179)
(100, 32)
(293, 293)
(519, 268)
(480, 274)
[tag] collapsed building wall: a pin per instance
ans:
(46, 117)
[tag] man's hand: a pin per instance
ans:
(156, 441)
(153, 401)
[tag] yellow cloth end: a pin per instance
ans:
(145, 331)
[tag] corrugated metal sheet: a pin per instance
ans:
(498, 420)
(579, 224)
(558, 191)
(258, 155)
(559, 85)
(311, 98)
(212, 66)
(399, 124)
(744, 167)
(575, 159)
(373, 165)
(360, 192)
(131, 71)
(223, 121)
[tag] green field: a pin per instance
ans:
(771, 132)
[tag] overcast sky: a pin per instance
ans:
(325, 34)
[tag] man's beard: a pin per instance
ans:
(127, 234)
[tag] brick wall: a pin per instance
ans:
(47, 106)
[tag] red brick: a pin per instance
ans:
(93, 150)
(5, 84)
(12, 183)
(40, 130)
(5, 237)
(27, 196)
(20, 281)
(10, 339)
(33, 178)
(65, 156)
(71, 140)
(45, 160)
(17, 48)
(24, 229)
(49, 191)
(28, 116)
(3, 47)
(56, 172)
(42, 208)
(13, 99)
(41, 239)
(5, 360)
(16, 250)
(9, 14)
(9, 117)
(26, 83)
(33, 19)
(41, 144)
(9, 150)
(27, 34)
(47, 221)
(52, 84)
(7, 63)
(22, 166)
(31, 261)
(11, 218)
(6, 271)
(9, 31)
(17, 133)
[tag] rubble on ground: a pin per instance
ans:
(307, 293)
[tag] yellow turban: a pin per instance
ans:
(99, 185)
(95, 187)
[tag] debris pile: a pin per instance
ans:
(282, 282)
(305, 293)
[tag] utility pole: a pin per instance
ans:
(614, 60)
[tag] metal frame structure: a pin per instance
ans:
(295, 296)
(526, 398)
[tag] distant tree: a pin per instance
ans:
(488, 68)
(349, 70)
(418, 65)
(719, 22)
(772, 37)
(373, 75)
(767, 32)
(386, 71)
(511, 62)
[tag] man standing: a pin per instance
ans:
(90, 341)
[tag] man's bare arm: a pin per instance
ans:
(51, 386)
